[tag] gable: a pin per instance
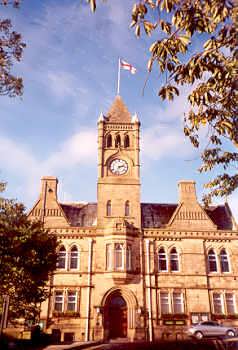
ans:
(191, 216)
(51, 211)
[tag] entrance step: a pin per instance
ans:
(119, 340)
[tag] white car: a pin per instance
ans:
(210, 329)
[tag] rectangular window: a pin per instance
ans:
(71, 301)
(119, 256)
(178, 303)
(128, 257)
(217, 303)
(59, 301)
(230, 304)
(164, 303)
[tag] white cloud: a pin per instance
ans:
(158, 142)
(62, 84)
(79, 148)
(17, 158)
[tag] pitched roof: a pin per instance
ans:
(220, 216)
(153, 215)
(80, 214)
(156, 215)
(118, 113)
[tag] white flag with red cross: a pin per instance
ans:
(124, 65)
(127, 66)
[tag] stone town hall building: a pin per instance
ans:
(131, 269)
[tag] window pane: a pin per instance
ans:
(59, 298)
(217, 302)
(174, 263)
(224, 261)
(109, 141)
(212, 263)
(71, 302)
(128, 257)
(118, 256)
(118, 141)
(230, 304)
(162, 260)
(74, 258)
(127, 141)
(164, 303)
(109, 208)
(127, 208)
(178, 303)
(61, 258)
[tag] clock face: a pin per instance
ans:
(118, 166)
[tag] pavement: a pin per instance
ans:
(212, 344)
(75, 346)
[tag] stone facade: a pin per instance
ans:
(132, 269)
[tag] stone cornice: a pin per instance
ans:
(176, 235)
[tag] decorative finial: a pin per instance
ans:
(135, 118)
(101, 118)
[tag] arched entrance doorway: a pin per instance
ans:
(116, 316)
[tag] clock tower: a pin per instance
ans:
(118, 166)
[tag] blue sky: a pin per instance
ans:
(70, 75)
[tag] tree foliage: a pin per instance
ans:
(11, 49)
(27, 257)
(211, 73)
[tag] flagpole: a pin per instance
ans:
(118, 77)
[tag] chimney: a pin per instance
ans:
(49, 187)
(187, 191)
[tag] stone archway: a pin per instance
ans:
(115, 314)
(119, 307)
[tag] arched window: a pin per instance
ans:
(109, 140)
(118, 141)
(109, 208)
(61, 263)
(212, 261)
(174, 261)
(224, 261)
(162, 260)
(126, 141)
(127, 208)
(74, 258)
(118, 256)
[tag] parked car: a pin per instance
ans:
(210, 329)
